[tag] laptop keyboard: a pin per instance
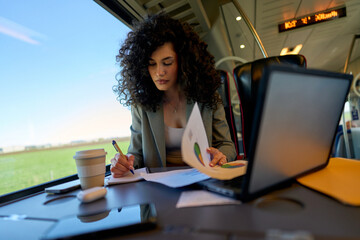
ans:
(235, 182)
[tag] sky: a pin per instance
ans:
(57, 70)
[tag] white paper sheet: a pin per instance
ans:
(127, 178)
(193, 149)
(175, 178)
(203, 198)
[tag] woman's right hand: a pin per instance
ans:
(121, 165)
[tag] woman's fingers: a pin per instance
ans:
(131, 159)
(120, 165)
(217, 157)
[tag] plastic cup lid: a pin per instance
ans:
(90, 153)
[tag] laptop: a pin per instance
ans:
(295, 121)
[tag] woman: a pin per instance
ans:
(166, 68)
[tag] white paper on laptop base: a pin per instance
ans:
(193, 148)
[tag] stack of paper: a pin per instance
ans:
(127, 178)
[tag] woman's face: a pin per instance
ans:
(163, 67)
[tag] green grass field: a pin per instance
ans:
(29, 168)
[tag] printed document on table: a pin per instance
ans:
(127, 178)
(176, 178)
(193, 148)
(198, 198)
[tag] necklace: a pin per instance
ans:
(175, 108)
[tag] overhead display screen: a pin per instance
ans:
(312, 19)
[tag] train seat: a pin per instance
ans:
(247, 77)
(224, 91)
(339, 149)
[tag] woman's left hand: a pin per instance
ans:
(216, 156)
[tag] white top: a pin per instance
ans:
(173, 137)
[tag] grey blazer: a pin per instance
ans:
(147, 142)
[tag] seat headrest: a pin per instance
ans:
(249, 74)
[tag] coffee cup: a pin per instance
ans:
(90, 166)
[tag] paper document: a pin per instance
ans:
(203, 198)
(193, 148)
(175, 178)
(127, 178)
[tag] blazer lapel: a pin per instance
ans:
(156, 120)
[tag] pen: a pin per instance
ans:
(119, 151)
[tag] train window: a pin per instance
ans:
(57, 70)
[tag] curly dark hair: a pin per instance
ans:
(197, 76)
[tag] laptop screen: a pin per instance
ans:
(296, 117)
